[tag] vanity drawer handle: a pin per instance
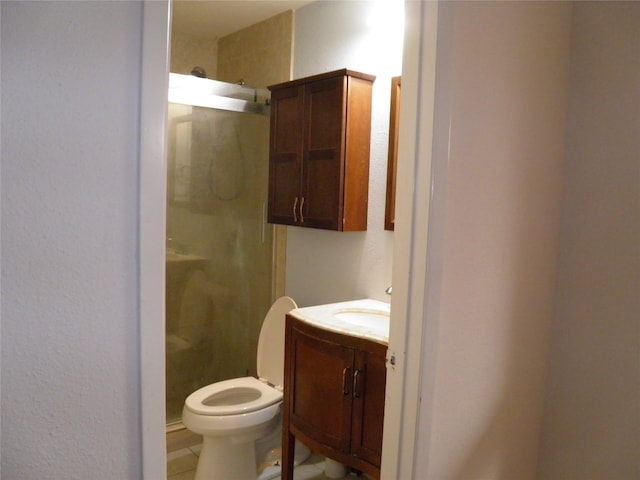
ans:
(356, 384)
(345, 383)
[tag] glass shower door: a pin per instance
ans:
(219, 247)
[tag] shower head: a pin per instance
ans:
(198, 72)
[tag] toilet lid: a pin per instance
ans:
(270, 361)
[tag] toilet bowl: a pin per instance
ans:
(232, 415)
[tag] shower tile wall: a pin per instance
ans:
(188, 51)
(260, 54)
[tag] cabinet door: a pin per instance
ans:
(368, 406)
(323, 175)
(321, 382)
(285, 156)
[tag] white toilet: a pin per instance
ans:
(233, 415)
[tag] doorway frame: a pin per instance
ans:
(413, 371)
(412, 338)
(156, 23)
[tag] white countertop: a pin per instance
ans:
(335, 317)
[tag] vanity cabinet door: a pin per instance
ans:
(320, 399)
(368, 406)
(334, 393)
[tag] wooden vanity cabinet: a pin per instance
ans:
(334, 392)
(319, 151)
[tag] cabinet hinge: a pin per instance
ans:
(391, 358)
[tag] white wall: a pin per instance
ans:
(592, 418)
(70, 367)
(501, 88)
(325, 266)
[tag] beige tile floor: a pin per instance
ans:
(182, 457)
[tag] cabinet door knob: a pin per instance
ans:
(345, 383)
(295, 213)
(301, 215)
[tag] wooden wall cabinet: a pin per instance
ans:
(319, 151)
(334, 392)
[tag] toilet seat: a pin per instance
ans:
(232, 397)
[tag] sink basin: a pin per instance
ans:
(362, 317)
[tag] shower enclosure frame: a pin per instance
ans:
(208, 93)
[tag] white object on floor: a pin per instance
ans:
(333, 469)
(269, 454)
